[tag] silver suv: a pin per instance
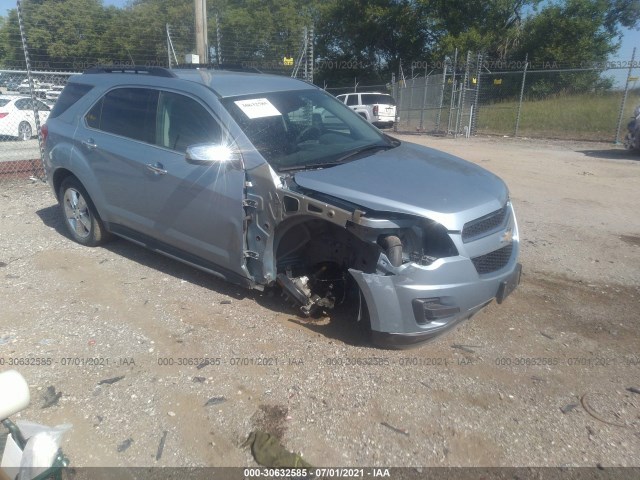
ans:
(268, 181)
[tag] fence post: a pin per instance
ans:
(444, 84)
(424, 98)
(463, 88)
(413, 84)
(524, 77)
(34, 103)
(394, 89)
(473, 122)
(624, 98)
(453, 90)
(402, 86)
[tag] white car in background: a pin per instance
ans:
(54, 92)
(17, 118)
(377, 108)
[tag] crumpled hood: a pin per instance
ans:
(414, 180)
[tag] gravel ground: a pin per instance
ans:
(541, 380)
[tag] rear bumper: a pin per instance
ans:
(383, 120)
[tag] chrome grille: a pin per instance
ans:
(493, 261)
(484, 225)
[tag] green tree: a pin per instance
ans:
(492, 27)
(575, 33)
(369, 39)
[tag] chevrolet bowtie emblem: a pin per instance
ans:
(507, 236)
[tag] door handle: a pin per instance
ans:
(89, 144)
(157, 168)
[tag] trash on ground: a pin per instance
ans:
(395, 429)
(161, 446)
(215, 401)
(567, 408)
(110, 381)
(124, 445)
(465, 348)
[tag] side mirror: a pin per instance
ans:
(212, 153)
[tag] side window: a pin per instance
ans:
(43, 107)
(129, 112)
(352, 100)
(182, 121)
(23, 104)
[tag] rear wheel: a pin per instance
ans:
(80, 216)
(24, 131)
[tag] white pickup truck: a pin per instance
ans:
(377, 108)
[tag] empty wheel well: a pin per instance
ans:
(312, 261)
(304, 243)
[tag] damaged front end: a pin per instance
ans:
(413, 278)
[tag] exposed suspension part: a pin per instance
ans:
(310, 294)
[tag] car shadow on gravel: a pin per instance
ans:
(338, 325)
(612, 154)
(51, 217)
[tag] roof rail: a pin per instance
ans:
(154, 71)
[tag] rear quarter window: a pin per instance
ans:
(374, 99)
(70, 95)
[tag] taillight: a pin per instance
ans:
(44, 131)
(375, 109)
(4, 114)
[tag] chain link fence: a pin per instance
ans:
(19, 105)
(516, 98)
(459, 96)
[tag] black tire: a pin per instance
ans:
(79, 214)
(24, 131)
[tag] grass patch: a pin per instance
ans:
(579, 117)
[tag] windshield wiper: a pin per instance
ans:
(362, 150)
(312, 166)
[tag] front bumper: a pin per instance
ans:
(417, 303)
(435, 329)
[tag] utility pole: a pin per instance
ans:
(202, 45)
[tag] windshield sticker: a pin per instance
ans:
(257, 108)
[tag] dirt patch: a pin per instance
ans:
(272, 419)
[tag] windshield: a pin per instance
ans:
(304, 129)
